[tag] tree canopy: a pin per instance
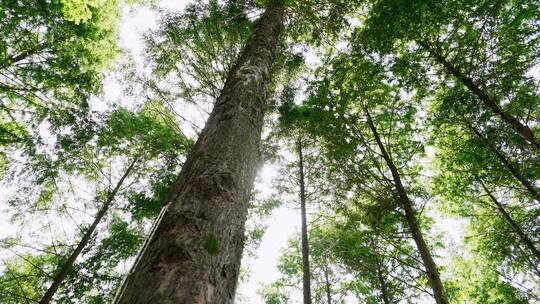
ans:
(406, 135)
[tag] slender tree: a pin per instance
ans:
(306, 280)
(505, 162)
(475, 154)
(489, 102)
(410, 214)
(351, 90)
(126, 142)
(67, 266)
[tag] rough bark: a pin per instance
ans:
(515, 226)
(491, 103)
(506, 163)
(412, 221)
(66, 267)
(193, 255)
(305, 245)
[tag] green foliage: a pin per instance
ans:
(211, 244)
(98, 268)
(272, 294)
(410, 68)
(137, 133)
(21, 280)
(78, 11)
(475, 281)
(195, 49)
(49, 67)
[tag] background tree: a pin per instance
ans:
(52, 55)
(125, 145)
(483, 47)
(381, 148)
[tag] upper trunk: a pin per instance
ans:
(515, 226)
(193, 255)
(305, 244)
(522, 130)
(506, 163)
(410, 215)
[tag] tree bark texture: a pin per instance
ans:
(193, 255)
(64, 270)
(522, 130)
(305, 244)
(412, 221)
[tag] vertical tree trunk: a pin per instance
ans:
(382, 283)
(327, 285)
(515, 226)
(305, 245)
(384, 290)
(522, 130)
(506, 163)
(193, 255)
(62, 273)
(410, 215)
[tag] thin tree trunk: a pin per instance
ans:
(515, 226)
(193, 255)
(384, 290)
(328, 286)
(62, 273)
(305, 245)
(410, 215)
(506, 163)
(522, 130)
(382, 283)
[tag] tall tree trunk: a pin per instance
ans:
(515, 226)
(410, 215)
(193, 255)
(62, 273)
(305, 245)
(506, 163)
(491, 103)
